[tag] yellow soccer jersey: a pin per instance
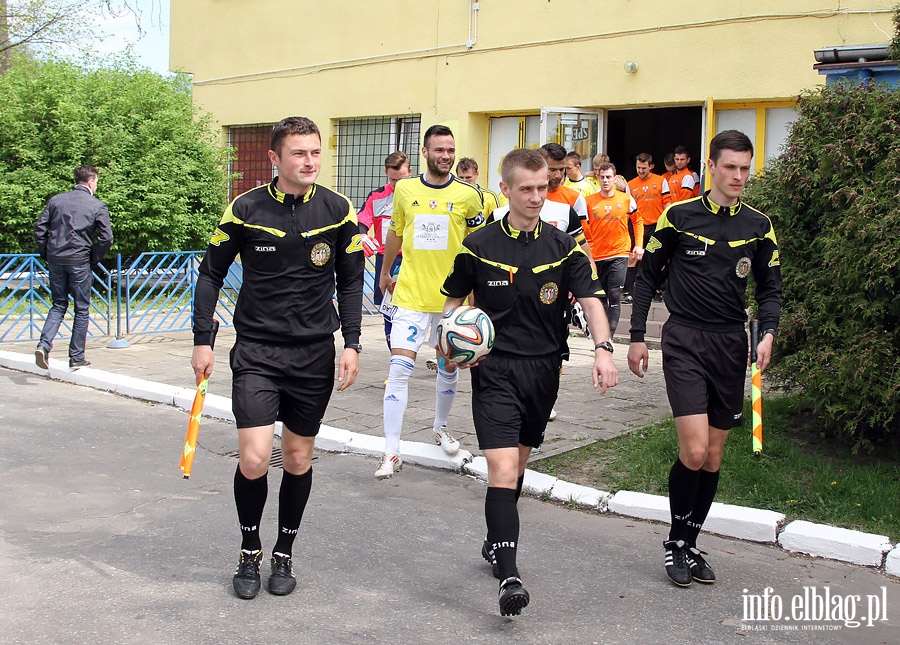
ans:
(432, 220)
(583, 186)
(491, 202)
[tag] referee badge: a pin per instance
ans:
(742, 268)
(549, 292)
(320, 254)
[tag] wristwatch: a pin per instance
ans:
(608, 346)
(355, 346)
(769, 331)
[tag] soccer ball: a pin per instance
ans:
(465, 334)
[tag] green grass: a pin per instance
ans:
(799, 473)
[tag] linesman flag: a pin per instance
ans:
(193, 430)
(756, 390)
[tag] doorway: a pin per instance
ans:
(654, 130)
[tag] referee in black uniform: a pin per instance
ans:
(296, 240)
(710, 245)
(521, 271)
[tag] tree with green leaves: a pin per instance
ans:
(29, 23)
(162, 167)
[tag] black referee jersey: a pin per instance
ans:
(522, 281)
(294, 252)
(709, 251)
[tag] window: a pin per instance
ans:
(767, 125)
(251, 159)
(362, 145)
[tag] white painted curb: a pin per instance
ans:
(477, 468)
(818, 540)
(570, 493)
(892, 562)
(744, 523)
(537, 483)
(642, 505)
(835, 543)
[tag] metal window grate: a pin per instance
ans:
(251, 160)
(360, 149)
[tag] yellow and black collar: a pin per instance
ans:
(715, 209)
(287, 199)
(522, 236)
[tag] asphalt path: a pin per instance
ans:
(102, 541)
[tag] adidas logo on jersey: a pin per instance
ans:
(415, 202)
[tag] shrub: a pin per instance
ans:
(833, 197)
(162, 168)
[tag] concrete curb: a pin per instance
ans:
(835, 543)
(817, 540)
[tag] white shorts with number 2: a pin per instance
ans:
(411, 329)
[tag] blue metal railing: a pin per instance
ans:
(153, 293)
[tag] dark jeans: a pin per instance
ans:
(379, 296)
(66, 280)
(611, 273)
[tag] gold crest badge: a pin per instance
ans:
(320, 254)
(742, 268)
(549, 293)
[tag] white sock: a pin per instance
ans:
(445, 392)
(396, 395)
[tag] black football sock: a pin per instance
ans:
(250, 499)
(502, 519)
(519, 484)
(292, 500)
(682, 491)
(707, 485)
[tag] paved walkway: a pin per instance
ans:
(583, 415)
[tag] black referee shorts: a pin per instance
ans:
(287, 383)
(705, 373)
(512, 399)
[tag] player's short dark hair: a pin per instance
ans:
(574, 157)
(521, 158)
(681, 150)
(553, 151)
(291, 125)
(436, 131)
(669, 160)
(467, 163)
(396, 160)
(729, 140)
(644, 157)
(83, 174)
(606, 166)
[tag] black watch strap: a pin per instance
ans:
(608, 346)
(355, 346)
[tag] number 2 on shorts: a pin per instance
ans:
(413, 332)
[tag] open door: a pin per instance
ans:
(506, 133)
(574, 129)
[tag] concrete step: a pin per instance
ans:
(656, 317)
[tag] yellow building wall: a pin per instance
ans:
(258, 62)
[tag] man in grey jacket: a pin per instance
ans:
(72, 234)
